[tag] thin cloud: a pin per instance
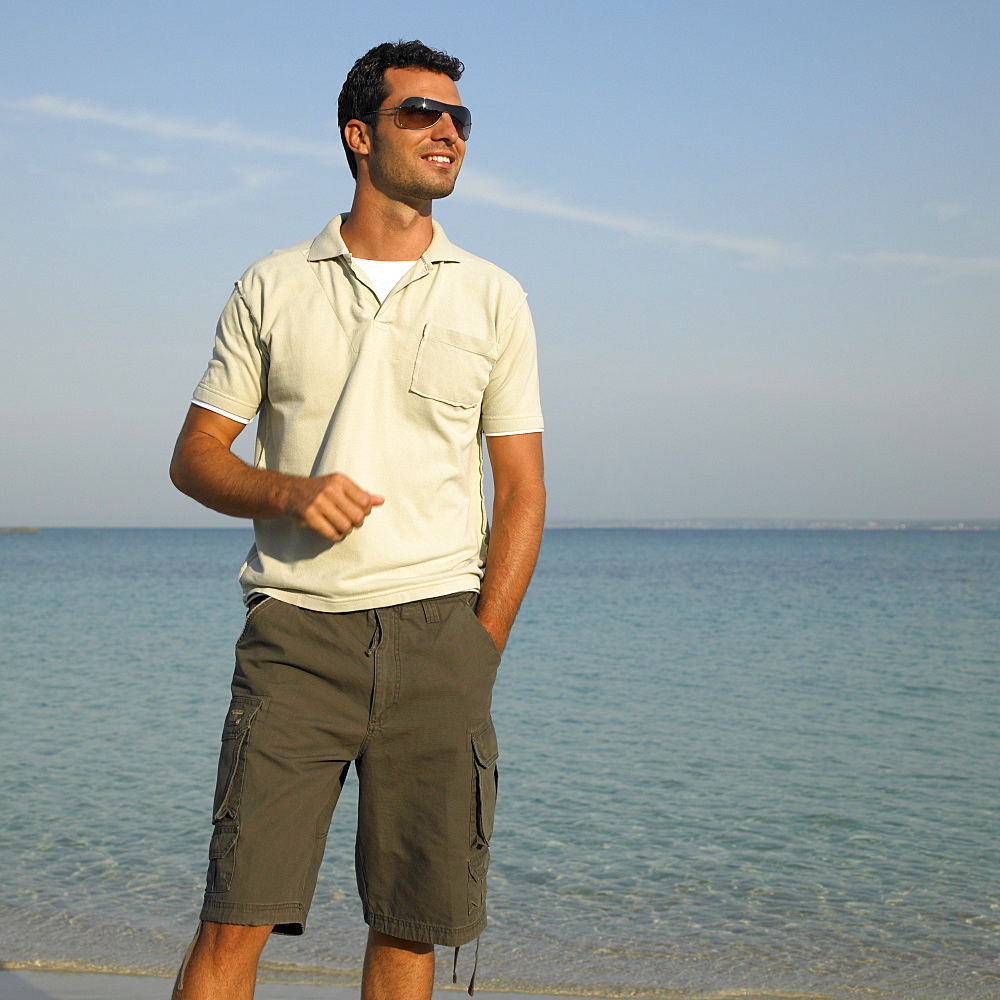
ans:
(947, 211)
(953, 265)
(475, 185)
(178, 129)
(150, 165)
(482, 187)
(142, 203)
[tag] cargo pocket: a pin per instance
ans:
(232, 758)
(485, 752)
(479, 864)
(222, 857)
(452, 367)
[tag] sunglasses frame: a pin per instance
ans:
(460, 116)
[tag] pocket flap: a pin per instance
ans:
(452, 367)
(242, 709)
(463, 341)
(484, 745)
(223, 841)
(478, 865)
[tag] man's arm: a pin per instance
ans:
(204, 467)
(516, 530)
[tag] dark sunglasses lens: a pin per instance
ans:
(420, 117)
(417, 117)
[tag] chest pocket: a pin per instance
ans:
(452, 367)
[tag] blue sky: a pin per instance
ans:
(761, 240)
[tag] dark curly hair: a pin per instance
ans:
(365, 87)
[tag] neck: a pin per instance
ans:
(379, 229)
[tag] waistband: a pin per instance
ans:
(430, 608)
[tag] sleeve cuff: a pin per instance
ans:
(220, 411)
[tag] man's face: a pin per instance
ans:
(415, 165)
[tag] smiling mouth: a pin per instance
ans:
(445, 161)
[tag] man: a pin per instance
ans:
(376, 355)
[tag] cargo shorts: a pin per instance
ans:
(405, 693)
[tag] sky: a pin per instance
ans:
(760, 240)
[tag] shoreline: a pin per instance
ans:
(34, 984)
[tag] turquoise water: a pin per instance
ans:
(732, 762)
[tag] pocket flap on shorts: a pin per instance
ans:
(479, 863)
(242, 709)
(223, 841)
(484, 745)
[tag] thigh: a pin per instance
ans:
(429, 780)
(298, 715)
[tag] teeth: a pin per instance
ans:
(439, 159)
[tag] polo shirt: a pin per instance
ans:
(395, 395)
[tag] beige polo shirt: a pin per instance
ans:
(395, 395)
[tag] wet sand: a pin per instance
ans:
(18, 985)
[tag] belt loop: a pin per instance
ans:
(432, 613)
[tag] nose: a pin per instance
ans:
(444, 129)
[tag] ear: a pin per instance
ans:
(357, 137)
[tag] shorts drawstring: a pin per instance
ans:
(179, 983)
(475, 969)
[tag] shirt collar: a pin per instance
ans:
(330, 244)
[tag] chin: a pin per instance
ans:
(434, 191)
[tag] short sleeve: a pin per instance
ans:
(511, 400)
(236, 377)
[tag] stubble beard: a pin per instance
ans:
(389, 175)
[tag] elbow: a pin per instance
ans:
(537, 498)
(177, 475)
(179, 472)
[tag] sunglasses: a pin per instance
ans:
(422, 112)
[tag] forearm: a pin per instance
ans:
(207, 471)
(515, 537)
(204, 467)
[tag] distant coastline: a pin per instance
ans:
(787, 524)
(680, 524)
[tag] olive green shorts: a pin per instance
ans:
(405, 693)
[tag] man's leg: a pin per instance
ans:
(222, 964)
(396, 969)
(301, 696)
(426, 792)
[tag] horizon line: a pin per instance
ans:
(654, 524)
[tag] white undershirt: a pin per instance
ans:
(384, 276)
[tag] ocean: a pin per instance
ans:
(733, 763)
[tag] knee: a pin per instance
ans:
(223, 941)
